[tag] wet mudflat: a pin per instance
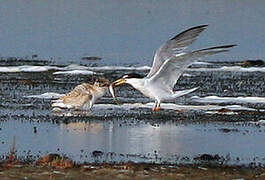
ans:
(223, 122)
(132, 171)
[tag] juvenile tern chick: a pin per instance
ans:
(83, 96)
(170, 61)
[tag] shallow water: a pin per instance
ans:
(225, 116)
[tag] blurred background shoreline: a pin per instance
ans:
(126, 32)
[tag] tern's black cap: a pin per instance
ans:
(132, 75)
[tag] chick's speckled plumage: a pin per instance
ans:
(83, 96)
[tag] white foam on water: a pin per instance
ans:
(260, 122)
(70, 69)
(187, 75)
(75, 67)
(27, 68)
(60, 108)
(104, 68)
(216, 99)
(223, 113)
(74, 72)
(119, 68)
(48, 95)
(202, 63)
(172, 106)
(230, 68)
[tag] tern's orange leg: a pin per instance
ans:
(156, 107)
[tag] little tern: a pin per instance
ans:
(170, 61)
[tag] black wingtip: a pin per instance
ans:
(231, 45)
(224, 47)
(203, 26)
(200, 26)
(199, 29)
(228, 46)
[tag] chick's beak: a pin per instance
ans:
(119, 82)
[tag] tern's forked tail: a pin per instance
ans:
(184, 92)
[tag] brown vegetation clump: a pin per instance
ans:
(55, 160)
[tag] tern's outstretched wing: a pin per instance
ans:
(175, 46)
(170, 71)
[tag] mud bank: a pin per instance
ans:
(131, 171)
